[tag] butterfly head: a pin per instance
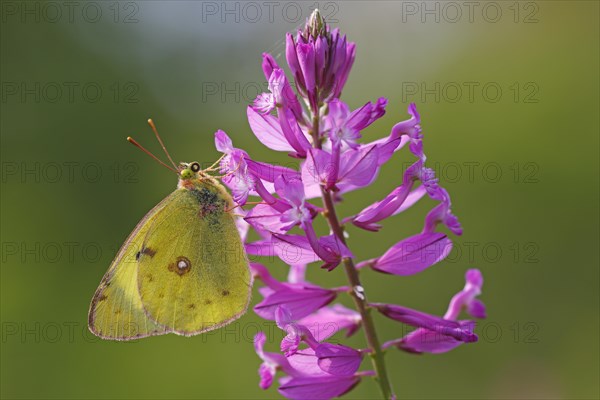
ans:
(189, 171)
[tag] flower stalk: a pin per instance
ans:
(377, 355)
(329, 212)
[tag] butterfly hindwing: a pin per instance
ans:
(193, 273)
(116, 311)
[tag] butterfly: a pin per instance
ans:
(182, 270)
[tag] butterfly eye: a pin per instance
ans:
(195, 167)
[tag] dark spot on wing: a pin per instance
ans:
(191, 306)
(181, 266)
(161, 295)
(150, 277)
(208, 302)
(225, 292)
(102, 297)
(145, 251)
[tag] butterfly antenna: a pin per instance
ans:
(139, 146)
(151, 123)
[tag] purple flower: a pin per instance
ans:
(343, 127)
(467, 298)
(268, 65)
(310, 248)
(331, 358)
(412, 255)
(404, 132)
(442, 214)
(282, 94)
(271, 362)
(234, 167)
(392, 203)
(427, 340)
(292, 190)
(320, 370)
(354, 169)
(459, 331)
(337, 359)
(290, 210)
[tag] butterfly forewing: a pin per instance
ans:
(193, 273)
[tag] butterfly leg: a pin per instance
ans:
(212, 167)
(252, 203)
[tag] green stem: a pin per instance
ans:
(377, 356)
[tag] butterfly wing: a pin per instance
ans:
(193, 273)
(116, 311)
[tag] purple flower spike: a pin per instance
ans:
(337, 359)
(413, 255)
(301, 299)
(325, 137)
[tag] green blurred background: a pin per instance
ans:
(519, 155)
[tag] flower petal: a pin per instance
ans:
(414, 254)
(358, 168)
(267, 130)
(318, 387)
(327, 321)
(336, 359)
(294, 249)
(422, 320)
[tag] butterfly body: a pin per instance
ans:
(182, 270)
